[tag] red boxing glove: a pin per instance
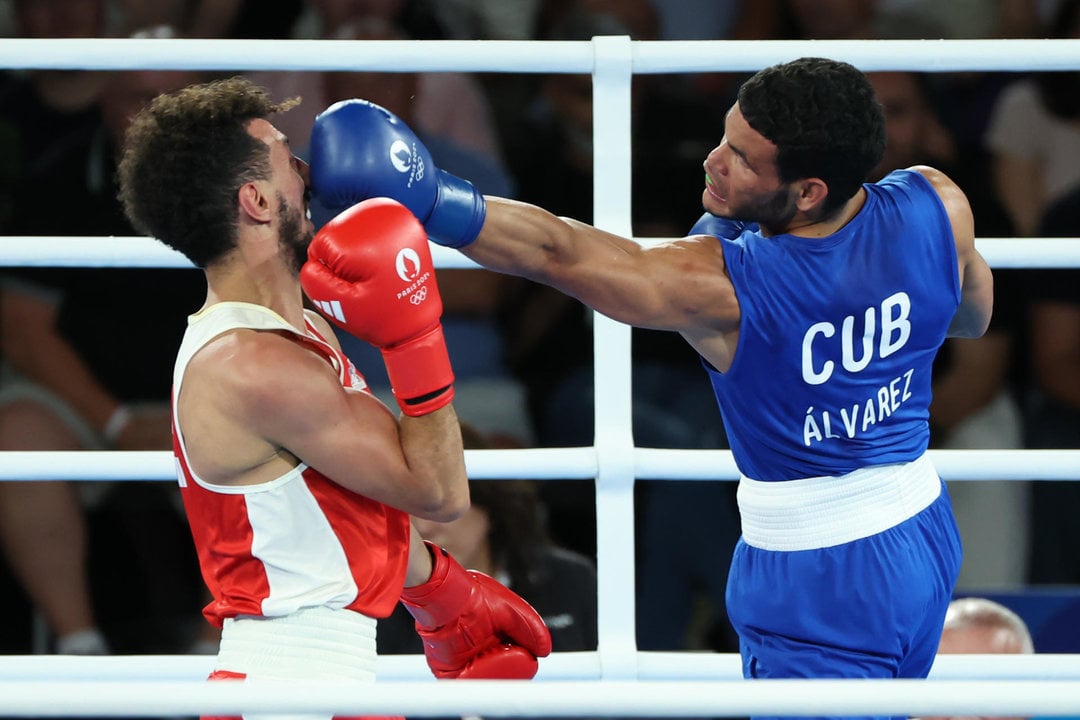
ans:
(473, 627)
(369, 271)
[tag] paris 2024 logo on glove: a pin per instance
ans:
(407, 160)
(407, 264)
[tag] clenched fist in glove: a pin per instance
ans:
(369, 271)
(360, 150)
(473, 627)
(709, 224)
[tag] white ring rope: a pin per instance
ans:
(578, 463)
(631, 683)
(512, 698)
(111, 251)
(703, 683)
(648, 57)
(558, 667)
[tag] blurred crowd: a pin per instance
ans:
(86, 355)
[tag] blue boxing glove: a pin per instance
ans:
(360, 150)
(709, 224)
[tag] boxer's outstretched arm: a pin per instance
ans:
(674, 285)
(360, 150)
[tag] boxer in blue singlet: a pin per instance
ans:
(817, 302)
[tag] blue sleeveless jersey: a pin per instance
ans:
(837, 337)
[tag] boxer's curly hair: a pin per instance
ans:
(824, 120)
(185, 157)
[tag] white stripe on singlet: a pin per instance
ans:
(819, 512)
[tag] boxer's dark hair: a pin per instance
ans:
(185, 157)
(824, 120)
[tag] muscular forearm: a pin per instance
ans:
(432, 447)
(419, 568)
(520, 239)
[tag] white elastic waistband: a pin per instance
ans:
(312, 643)
(821, 512)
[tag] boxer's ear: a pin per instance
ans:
(254, 203)
(811, 194)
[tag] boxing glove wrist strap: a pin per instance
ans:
(420, 373)
(443, 597)
(423, 399)
(458, 214)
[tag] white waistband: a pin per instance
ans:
(312, 643)
(821, 512)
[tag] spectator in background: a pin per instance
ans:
(1053, 412)
(40, 112)
(420, 19)
(965, 100)
(44, 109)
(978, 626)
(1034, 134)
(75, 379)
(975, 19)
(701, 19)
(489, 19)
(981, 626)
(449, 108)
(503, 535)
(976, 395)
(845, 20)
(63, 91)
(245, 19)
(449, 105)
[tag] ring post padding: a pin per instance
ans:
(614, 440)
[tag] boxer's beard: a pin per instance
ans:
(293, 238)
(770, 210)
